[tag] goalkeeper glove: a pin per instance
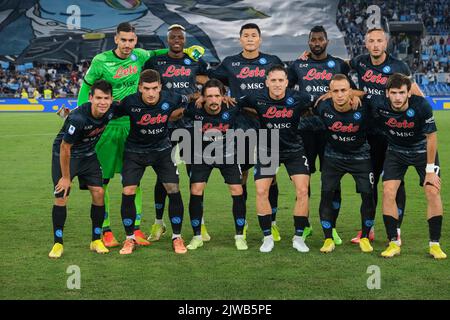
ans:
(195, 52)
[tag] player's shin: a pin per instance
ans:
(239, 213)
(265, 222)
(300, 223)
(367, 213)
(59, 214)
(97, 217)
(434, 227)
(401, 202)
(337, 199)
(128, 212)
(138, 205)
(196, 213)
(390, 223)
(326, 213)
(160, 195)
(273, 199)
(106, 223)
(176, 210)
(244, 191)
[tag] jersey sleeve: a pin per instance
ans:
(190, 110)
(313, 122)
(306, 101)
(345, 68)
(292, 75)
(149, 64)
(428, 122)
(73, 129)
(202, 67)
(354, 62)
(405, 69)
(219, 73)
(144, 55)
(278, 61)
(120, 108)
(181, 101)
(318, 110)
(373, 103)
(95, 71)
(245, 102)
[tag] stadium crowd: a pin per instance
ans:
(51, 80)
(351, 15)
(430, 64)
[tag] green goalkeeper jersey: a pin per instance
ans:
(122, 74)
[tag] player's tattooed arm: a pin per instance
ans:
(415, 90)
(63, 112)
(431, 177)
(64, 160)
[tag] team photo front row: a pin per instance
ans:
(344, 116)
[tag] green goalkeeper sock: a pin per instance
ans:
(138, 204)
(106, 227)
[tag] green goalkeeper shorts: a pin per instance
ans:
(110, 147)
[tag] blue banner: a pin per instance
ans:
(36, 105)
(52, 105)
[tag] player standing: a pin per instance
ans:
(279, 111)
(120, 67)
(213, 121)
(179, 74)
(410, 129)
(346, 151)
(245, 74)
(148, 144)
(74, 155)
(313, 76)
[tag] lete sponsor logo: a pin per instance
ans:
(251, 73)
(313, 74)
(273, 112)
(370, 77)
(148, 119)
(173, 71)
(393, 123)
(338, 126)
(123, 72)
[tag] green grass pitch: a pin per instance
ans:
(216, 271)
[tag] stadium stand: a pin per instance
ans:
(61, 79)
(431, 64)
